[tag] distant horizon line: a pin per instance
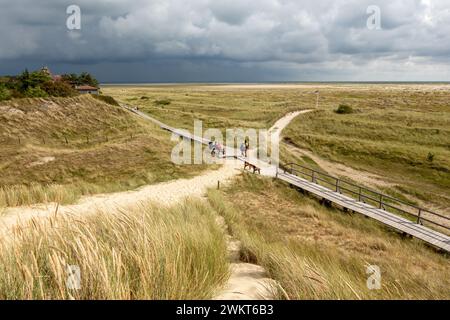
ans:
(272, 82)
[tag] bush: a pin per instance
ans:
(59, 89)
(430, 157)
(35, 92)
(5, 94)
(163, 102)
(344, 109)
(32, 80)
(107, 99)
(16, 94)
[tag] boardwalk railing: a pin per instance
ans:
(366, 195)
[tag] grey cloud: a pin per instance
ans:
(259, 40)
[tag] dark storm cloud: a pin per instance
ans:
(233, 40)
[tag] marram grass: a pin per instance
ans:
(142, 253)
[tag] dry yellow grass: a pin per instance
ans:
(107, 150)
(141, 253)
(321, 253)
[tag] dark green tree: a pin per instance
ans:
(39, 78)
(24, 80)
(87, 79)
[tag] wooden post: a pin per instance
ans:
(65, 138)
(418, 217)
(218, 184)
(359, 194)
(381, 201)
(337, 185)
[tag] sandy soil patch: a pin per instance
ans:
(41, 161)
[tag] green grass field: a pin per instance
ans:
(217, 106)
(399, 135)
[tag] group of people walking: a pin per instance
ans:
(217, 148)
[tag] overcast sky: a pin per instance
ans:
(230, 40)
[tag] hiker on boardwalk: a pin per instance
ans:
(212, 148)
(242, 148)
(219, 149)
(247, 146)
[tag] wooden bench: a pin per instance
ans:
(251, 167)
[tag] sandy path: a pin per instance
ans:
(250, 281)
(167, 193)
(247, 281)
(275, 134)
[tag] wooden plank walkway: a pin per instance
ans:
(428, 235)
(229, 152)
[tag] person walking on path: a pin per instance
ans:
(219, 149)
(242, 148)
(247, 146)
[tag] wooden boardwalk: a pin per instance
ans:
(430, 236)
(421, 232)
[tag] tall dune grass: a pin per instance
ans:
(320, 253)
(144, 253)
(17, 195)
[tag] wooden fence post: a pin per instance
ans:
(418, 217)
